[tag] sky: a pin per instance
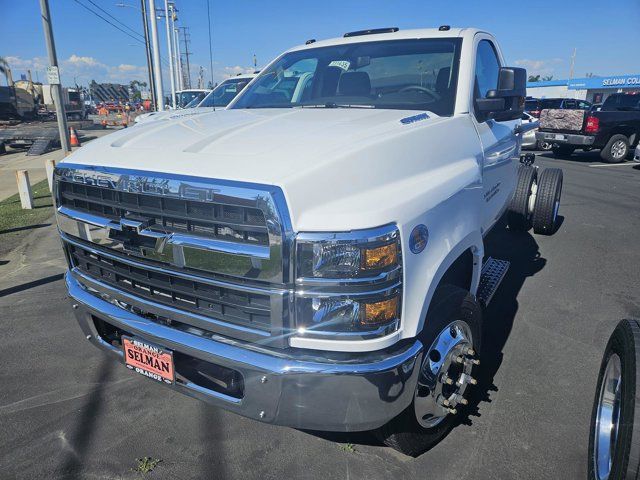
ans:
(538, 35)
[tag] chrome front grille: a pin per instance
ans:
(210, 254)
(222, 221)
(243, 308)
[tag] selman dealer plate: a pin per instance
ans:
(149, 360)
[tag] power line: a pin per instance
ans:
(117, 20)
(112, 24)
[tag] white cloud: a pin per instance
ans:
(539, 67)
(83, 61)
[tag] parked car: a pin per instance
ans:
(313, 255)
(183, 97)
(219, 97)
(529, 141)
(614, 130)
(534, 107)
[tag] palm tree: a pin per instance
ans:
(4, 68)
(534, 78)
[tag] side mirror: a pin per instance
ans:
(507, 101)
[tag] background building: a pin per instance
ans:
(592, 89)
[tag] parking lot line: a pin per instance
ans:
(615, 164)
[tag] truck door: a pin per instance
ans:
(500, 144)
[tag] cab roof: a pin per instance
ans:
(398, 35)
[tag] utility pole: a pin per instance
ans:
(55, 88)
(176, 37)
(573, 63)
(187, 53)
(170, 48)
(176, 71)
(147, 46)
(156, 56)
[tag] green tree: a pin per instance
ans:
(534, 78)
(136, 86)
(4, 68)
(547, 78)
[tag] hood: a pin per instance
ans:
(262, 146)
(171, 114)
(318, 156)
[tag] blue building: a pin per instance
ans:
(592, 89)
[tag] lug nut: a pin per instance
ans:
(447, 380)
(471, 351)
(475, 361)
(452, 411)
(446, 402)
(459, 359)
(473, 381)
(464, 401)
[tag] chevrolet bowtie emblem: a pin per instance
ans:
(136, 237)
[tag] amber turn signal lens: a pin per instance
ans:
(379, 313)
(380, 257)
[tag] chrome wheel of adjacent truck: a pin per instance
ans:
(451, 337)
(614, 440)
(616, 149)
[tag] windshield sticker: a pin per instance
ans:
(343, 64)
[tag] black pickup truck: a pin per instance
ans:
(614, 130)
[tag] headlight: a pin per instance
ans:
(348, 284)
(347, 255)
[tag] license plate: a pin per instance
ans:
(149, 360)
(559, 137)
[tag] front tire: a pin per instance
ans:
(616, 149)
(451, 336)
(614, 439)
(545, 211)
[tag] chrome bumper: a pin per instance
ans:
(569, 139)
(303, 391)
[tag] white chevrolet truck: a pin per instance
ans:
(312, 256)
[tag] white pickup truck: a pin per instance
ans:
(312, 256)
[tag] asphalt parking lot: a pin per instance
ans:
(68, 411)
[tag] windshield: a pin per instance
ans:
(398, 74)
(622, 102)
(530, 105)
(550, 103)
(184, 98)
(225, 92)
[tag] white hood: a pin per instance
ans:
(320, 157)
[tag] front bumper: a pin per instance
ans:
(565, 138)
(348, 393)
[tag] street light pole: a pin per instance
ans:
(147, 46)
(169, 42)
(57, 88)
(157, 67)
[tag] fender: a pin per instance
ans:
(472, 241)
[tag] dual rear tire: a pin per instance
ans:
(536, 201)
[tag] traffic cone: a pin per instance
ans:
(74, 137)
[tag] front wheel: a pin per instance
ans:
(451, 337)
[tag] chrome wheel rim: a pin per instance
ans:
(608, 418)
(618, 149)
(445, 375)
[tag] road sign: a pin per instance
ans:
(53, 75)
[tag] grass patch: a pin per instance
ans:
(146, 465)
(348, 447)
(13, 217)
(16, 223)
